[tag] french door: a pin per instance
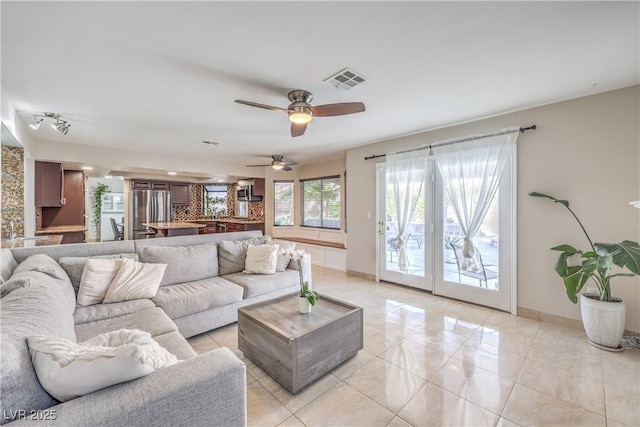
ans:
(434, 243)
(416, 269)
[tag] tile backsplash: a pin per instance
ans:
(195, 208)
(12, 190)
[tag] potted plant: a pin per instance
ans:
(603, 315)
(98, 191)
(307, 298)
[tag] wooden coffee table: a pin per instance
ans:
(296, 349)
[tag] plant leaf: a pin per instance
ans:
(546, 196)
(568, 249)
(574, 282)
(561, 266)
(624, 254)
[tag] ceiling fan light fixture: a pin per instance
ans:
(300, 115)
(277, 165)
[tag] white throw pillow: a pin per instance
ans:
(284, 253)
(135, 280)
(96, 278)
(261, 259)
(67, 370)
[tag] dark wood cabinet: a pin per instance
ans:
(140, 185)
(179, 194)
(48, 184)
(159, 185)
(258, 187)
(235, 226)
(209, 228)
(71, 211)
(74, 237)
(149, 185)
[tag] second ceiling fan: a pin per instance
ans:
(278, 163)
(301, 112)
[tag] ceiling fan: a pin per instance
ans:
(278, 163)
(301, 112)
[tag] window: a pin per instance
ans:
(242, 208)
(283, 203)
(215, 200)
(321, 202)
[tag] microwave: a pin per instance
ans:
(245, 193)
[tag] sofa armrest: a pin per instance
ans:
(206, 390)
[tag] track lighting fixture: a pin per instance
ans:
(36, 123)
(60, 125)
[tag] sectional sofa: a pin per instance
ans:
(202, 289)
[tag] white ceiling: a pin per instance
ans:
(161, 76)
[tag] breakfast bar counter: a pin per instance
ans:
(169, 229)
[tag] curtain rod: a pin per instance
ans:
(428, 147)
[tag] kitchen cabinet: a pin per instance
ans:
(238, 226)
(74, 237)
(71, 210)
(48, 184)
(149, 185)
(179, 194)
(258, 187)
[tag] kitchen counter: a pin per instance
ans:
(169, 229)
(229, 220)
(31, 242)
(61, 229)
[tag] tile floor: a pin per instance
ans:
(434, 361)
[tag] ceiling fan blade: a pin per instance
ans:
(286, 168)
(266, 107)
(298, 129)
(256, 166)
(290, 163)
(340, 109)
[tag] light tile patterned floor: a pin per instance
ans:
(434, 361)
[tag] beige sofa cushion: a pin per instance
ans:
(232, 254)
(184, 299)
(258, 284)
(184, 263)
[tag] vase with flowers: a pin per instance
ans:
(307, 298)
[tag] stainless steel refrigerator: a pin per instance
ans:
(147, 206)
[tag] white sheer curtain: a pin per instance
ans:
(405, 176)
(471, 171)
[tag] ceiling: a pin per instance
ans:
(159, 77)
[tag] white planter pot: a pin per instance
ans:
(603, 321)
(303, 305)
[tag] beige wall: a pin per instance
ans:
(586, 150)
(335, 167)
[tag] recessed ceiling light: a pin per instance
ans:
(108, 176)
(87, 168)
(172, 173)
(220, 180)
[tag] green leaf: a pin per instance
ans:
(568, 249)
(574, 282)
(624, 254)
(561, 266)
(546, 196)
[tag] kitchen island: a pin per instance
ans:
(170, 229)
(232, 224)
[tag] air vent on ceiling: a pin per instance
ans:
(209, 142)
(346, 79)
